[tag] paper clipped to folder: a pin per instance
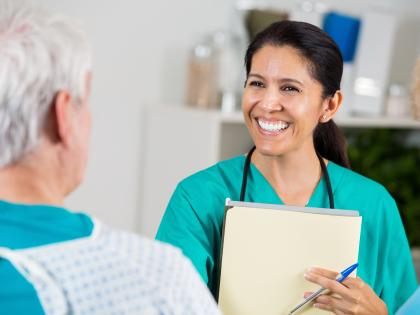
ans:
(267, 248)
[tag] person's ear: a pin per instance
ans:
(63, 116)
(330, 106)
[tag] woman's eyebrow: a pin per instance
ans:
(291, 80)
(256, 75)
(259, 76)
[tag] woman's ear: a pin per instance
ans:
(330, 106)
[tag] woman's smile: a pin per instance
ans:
(271, 127)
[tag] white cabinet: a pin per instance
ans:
(179, 141)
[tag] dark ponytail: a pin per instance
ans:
(331, 144)
(325, 66)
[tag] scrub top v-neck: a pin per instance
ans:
(324, 175)
(318, 196)
(194, 217)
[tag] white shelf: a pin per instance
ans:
(379, 122)
(351, 122)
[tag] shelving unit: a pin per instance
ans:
(178, 141)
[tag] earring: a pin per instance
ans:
(324, 117)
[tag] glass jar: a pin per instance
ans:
(416, 91)
(202, 76)
(398, 104)
(229, 64)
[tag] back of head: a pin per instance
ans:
(325, 64)
(40, 54)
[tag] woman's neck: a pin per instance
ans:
(294, 176)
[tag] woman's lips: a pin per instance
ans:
(271, 126)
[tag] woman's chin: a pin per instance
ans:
(270, 150)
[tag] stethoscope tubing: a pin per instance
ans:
(324, 170)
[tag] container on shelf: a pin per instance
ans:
(416, 91)
(202, 76)
(344, 29)
(371, 78)
(229, 65)
(309, 11)
(214, 73)
(398, 104)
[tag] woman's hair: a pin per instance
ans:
(325, 66)
(40, 54)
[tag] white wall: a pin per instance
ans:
(140, 49)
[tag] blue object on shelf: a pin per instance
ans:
(344, 30)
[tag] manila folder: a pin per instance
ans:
(267, 248)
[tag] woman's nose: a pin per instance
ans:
(272, 100)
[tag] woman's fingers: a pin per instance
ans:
(352, 293)
(324, 307)
(354, 283)
(329, 308)
(327, 282)
(353, 296)
(306, 294)
(324, 272)
(335, 303)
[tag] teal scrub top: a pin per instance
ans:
(194, 217)
(24, 226)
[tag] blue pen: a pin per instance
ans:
(340, 278)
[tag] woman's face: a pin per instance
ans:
(282, 103)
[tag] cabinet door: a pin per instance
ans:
(234, 140)
(177, 143)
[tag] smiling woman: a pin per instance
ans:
(291, 94)
(293, 84)
(282, 105)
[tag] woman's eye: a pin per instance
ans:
(256, 83)
(290, 88)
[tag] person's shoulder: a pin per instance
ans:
(163, 252)
(156, 260)
(164, 263)
(43, 224)
(181, 283)
(355, 182)
(178, 281)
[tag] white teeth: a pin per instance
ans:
(272, 126)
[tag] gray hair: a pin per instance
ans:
(40, 55)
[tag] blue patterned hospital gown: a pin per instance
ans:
(112, 272)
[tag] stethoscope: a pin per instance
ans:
(324, 171)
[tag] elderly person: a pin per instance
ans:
(53, 261)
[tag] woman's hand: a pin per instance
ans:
(352, 296)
